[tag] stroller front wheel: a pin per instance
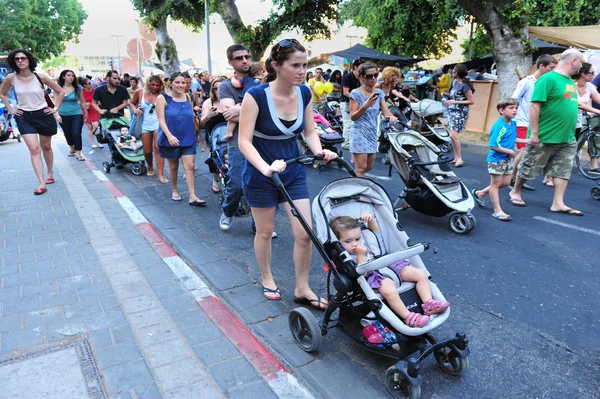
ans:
(106, 167)
(461, 223)
(138, 169)
(446, 147)
(596, 193)
(450, 362)
(305, 329)
(400, 386)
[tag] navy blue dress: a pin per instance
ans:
(275, 139)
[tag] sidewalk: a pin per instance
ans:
(93, 303)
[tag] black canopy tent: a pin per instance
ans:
(542, 48)
(358, 51)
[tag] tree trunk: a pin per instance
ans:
(509, 51)
(165, 48)
(240, 33)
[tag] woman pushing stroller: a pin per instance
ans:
(349, 233)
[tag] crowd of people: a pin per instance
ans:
(266, 106)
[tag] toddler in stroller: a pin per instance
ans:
(349, 232)
(124, 148)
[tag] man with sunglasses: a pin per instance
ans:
(112, 97)
(349, 83)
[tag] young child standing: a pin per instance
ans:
(348, 231)
(503, 137)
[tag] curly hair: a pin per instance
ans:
(10, 59)
(389, 73)
(154, 78)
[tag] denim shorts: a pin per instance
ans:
(268, 197)
(37, 122)
(168, 152)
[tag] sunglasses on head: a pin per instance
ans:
(283, 44)
(372, 76)
(241, 57)
(21, 59)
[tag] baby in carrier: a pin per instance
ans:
(127, 141)
(253, 79)
(349, 232)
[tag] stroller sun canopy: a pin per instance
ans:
(427, 107)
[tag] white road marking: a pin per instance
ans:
(101, 176)
(379, 177)
(567, 225)
(131, 210)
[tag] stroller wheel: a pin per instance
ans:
(450, 362)
(106, 167)
(461, 223)
(446, 147)
(18, 137)
(596, 193)
(400, 386)
(305, 329)
(138, 169)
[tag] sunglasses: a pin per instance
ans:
(152, 106)
(241, 57)
(19, 59)
(372, 76)
(589, 73)
(283, 44)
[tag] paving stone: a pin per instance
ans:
(83, 307)
(9, 293)
(245, 297)
(132, 290)
(59, 298)
(10, 323)
(216, 351)
(202, 334)
(169, 290)
(118, 354)
(233, 373)
(156, 334)
(46, 275)
(77, 281)
(8, 270)
(111, 318)
(179, 304)
(139, 304)
(148, 318)
(202, 389)
(147, 392)
(46, 287)
(123, 395)
(19, 279)
(14, 306)
(190, 318)
(223, 275)
(124, 377)
(163, 277)
(99, 277)
(42, 265)
(38, 247)
(181, 373)
(20, 339)
(100, 338)
(95, 290)
(127, 278)
(18, 259)
(69, 328)
(42, 317)
(256, 389)
(150, 263)
(167, 352)
(122, 333)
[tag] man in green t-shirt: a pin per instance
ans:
(551, 144)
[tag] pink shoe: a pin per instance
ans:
(416, 320)
(435, 306)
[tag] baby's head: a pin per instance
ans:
(124, 131)
(348, 231)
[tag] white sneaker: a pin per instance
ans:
(225, 222)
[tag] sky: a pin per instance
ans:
(118, 17)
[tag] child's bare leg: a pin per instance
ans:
(418, 276)
(498, 181)
(390, 293)
(230, 128)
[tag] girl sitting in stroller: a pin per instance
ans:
(349, 233)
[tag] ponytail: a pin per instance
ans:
(462, 72)
(271, 72)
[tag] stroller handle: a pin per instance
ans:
(441, 161)
(308, 159)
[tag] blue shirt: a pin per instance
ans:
(272, 139)
(502, 135)
(179, 117)
(70, 105)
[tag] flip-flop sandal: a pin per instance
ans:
(39, 191)
(516, 202)
(480, 203)
(275, 293)
(501, 216)
(100, 146)
(435, 306)
(215, 190)
(164, 181)
(313, 303)
(50, 180)
(176, 198)
(569, 211)
(416, 320)
(459, 165)
(198, 202)
(71, 154)
(80, 158)
(94, 146)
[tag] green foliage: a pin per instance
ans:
(188, 12)
(62, 61)
(40, 26)
(482, 43)
(312, 17)
(412, 28)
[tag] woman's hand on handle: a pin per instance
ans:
(329, 155)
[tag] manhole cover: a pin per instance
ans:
(65, 371)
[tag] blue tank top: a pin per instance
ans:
(272, 139)
(150, 120)
(70, 105)
(179, 117)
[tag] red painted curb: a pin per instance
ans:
(156, 241)
(252, 349)
(113, 189)
(90, 164)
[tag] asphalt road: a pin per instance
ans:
(523, 291)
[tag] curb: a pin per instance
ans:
(275, 374)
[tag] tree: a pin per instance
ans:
(481, 44)
(62, 61)
(312, 17)
(505, 21)
(40, 26)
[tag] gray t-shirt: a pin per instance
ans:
(226, 90)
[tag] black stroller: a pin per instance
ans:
(357, 302)
(329, 136)
(6, 120)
